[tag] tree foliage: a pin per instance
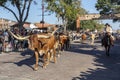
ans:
(2, 1)
(104, 6)
(91, 24)
(66, 10)
(108, 6)
(22, 7)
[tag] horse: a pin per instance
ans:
(107, 42)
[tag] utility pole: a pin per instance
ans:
(42, 14)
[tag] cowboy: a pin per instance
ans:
(108, 28)
(108, 31)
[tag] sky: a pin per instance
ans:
(35, 14)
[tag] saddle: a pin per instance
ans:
(108, 40)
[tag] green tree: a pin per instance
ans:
(22, 6)
(2, 1)
(66, 10)
(108, 6)
(91, 24)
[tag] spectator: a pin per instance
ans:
(1, 41)
(6, 40)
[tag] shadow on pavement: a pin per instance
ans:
(109, 67)
(29, 61)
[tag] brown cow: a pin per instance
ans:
(40, 44)
(43, 46)
(46, 49)
(84, 36)
(64, 41)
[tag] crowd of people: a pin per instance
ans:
(84, 35)
(9, 43)
(92, 35)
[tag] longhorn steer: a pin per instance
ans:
(46, 50)
(64, 41)
(40, 44)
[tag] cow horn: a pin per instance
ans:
(18, 36)
(55, 31)
(43, 36)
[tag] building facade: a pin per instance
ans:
(5, 23)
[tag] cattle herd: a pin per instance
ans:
(45, 45)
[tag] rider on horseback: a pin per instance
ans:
(108, 32)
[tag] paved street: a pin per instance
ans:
(81, 62)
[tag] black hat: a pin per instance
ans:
(107, 24)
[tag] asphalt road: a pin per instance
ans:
(80, 62)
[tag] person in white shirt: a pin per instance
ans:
(108, 31)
